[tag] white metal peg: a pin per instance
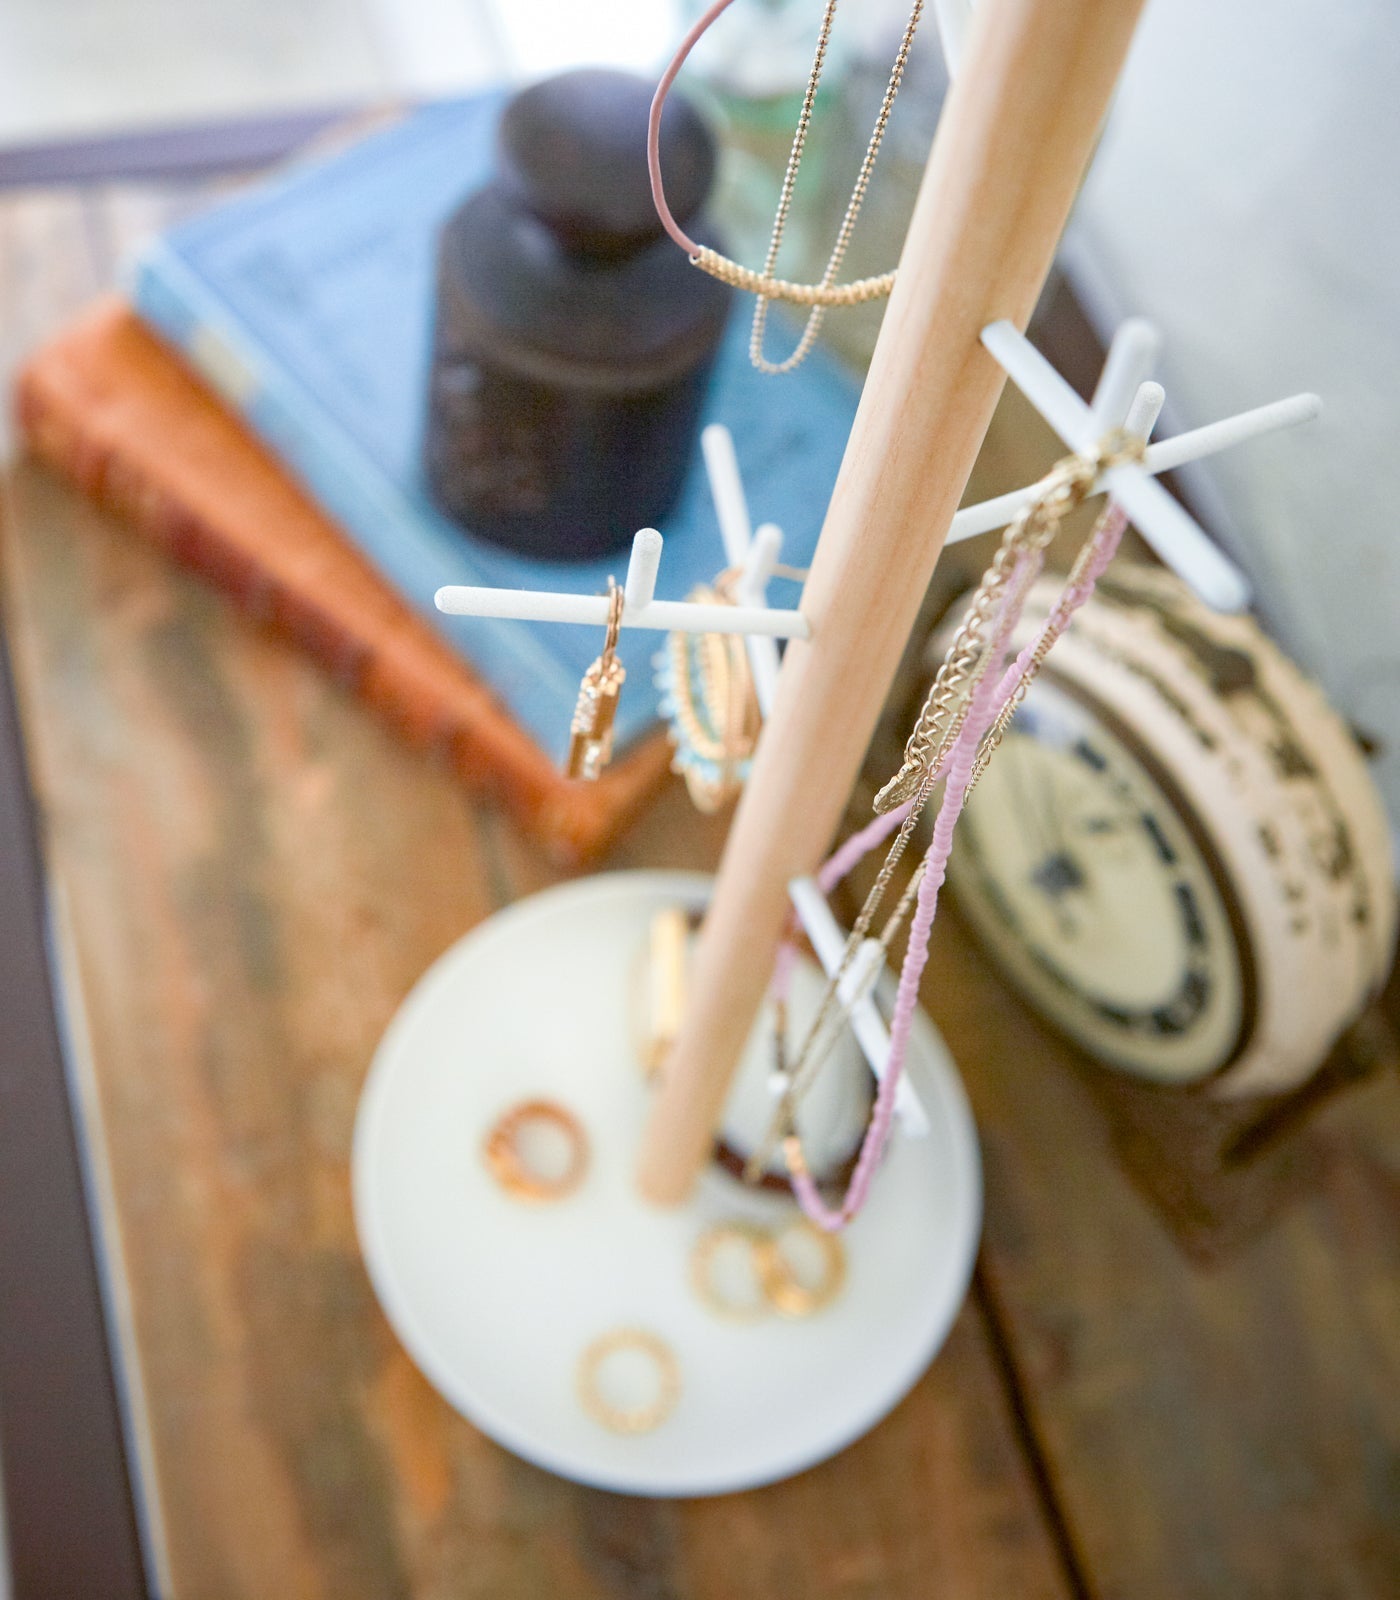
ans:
(755, 554)
(642, 567)
(1141, 414)
(764, 659)
(1175, 535)
(727, 492)
(867, 1024)
(1131, 357)
(591, 610)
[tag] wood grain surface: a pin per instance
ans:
(255, 875)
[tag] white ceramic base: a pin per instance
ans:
(496, 1300)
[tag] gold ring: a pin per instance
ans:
(507, 1164)
(629, 1419)
(702, 1258)
(786, 1292)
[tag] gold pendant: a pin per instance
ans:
(591, 731)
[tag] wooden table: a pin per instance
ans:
(254, 875)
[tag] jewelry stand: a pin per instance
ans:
(498, 1300)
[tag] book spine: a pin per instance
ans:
(486, 757)
(410, 551)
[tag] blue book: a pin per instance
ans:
(307, 303)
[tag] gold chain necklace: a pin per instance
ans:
(965, 664)
(853, 205)
(826, 292)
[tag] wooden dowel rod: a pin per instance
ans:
(1015, 136)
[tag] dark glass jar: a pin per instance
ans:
(573, 340)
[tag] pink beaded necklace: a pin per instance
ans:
(969, 738)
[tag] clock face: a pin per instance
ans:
(1083, 874)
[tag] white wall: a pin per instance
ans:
(1247, 197)
(86, 68)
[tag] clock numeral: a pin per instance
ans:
(1154, 832)
(1190, 914)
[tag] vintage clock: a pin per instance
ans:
(1178, 855)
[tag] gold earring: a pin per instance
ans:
(591, 731)
(708, 696)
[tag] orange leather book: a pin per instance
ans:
(109, 407)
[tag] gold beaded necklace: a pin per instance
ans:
(826, 292)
